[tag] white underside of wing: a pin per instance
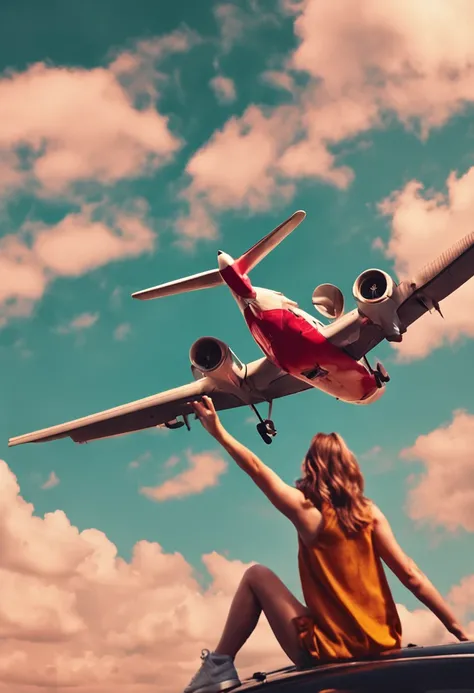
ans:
(191, 390)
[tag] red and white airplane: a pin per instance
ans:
(300, 352)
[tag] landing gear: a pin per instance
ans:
(380, 374)
(266, 427)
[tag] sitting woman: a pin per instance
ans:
(349, 610)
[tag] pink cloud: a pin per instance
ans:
(11, 175)
(231, 23)
(443, 494)
(153, 50)
(139, 69)
(279, 79)
(395, 52)
(235, 21)
(122, 331)
(82, 322)
(79, 243)
(84, 126)
(172, 462)
(51, 481)
(421, 627)
(224, 89)
(424, 224)
(100, 622)
(363, 67)
(134, 464)
(237, 168)
(462, 598)
(203, 472)
(73, 613)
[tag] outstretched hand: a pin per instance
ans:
(207, 415)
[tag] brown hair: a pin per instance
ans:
(332, 475)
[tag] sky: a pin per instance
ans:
(137, 139)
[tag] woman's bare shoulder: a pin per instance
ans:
(375, 511)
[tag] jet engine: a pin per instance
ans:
(328, 300)
(214, 359)
(373, 292)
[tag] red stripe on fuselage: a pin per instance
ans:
(294, 345)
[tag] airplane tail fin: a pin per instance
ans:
(211, 278)
(264, 246)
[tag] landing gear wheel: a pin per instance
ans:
(381, 375)
(266, 430)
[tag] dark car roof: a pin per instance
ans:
(389, 661)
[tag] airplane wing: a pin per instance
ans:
(433, 283)
(165, 407)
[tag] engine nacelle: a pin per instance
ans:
(214, 359)
(373, 292)
(328, 300)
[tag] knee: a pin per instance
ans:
(257, 574)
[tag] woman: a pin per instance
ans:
(342, 537)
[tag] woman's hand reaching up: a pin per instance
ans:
(208, 417)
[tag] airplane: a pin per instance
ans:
(300, 351)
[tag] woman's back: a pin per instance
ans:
(345, 588)
(349, 609)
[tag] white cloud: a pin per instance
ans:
(75, 614)
(51, 482)
(122, 331)
(204, 471)
(443, 494)
(425, 224)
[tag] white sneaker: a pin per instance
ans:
(217, 673)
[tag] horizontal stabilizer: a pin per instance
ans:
(211, 278)
(252, 257)
(203, 280)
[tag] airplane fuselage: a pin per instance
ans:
(294, 340)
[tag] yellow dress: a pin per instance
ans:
(353, 613)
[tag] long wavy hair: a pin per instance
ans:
(331, 474)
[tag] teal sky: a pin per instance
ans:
(49, 377)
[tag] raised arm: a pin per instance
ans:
(287, 499)
(411, 576)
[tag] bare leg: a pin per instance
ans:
(261, 590)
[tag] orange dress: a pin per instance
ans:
(353, 613)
